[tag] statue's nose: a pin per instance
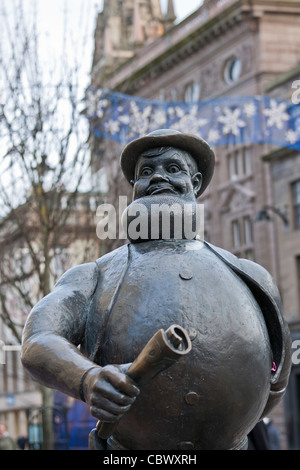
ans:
(158, 175)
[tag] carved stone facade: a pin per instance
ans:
(285, 183)
(230, 48)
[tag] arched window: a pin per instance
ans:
(232, 70)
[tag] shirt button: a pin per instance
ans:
(186, 274)
(191, 398)
(186, 445)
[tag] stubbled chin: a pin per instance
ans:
(165, 197)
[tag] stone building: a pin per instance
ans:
(226, 48)
(284, 166)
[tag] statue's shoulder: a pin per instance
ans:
(119, 255)
(82, 278)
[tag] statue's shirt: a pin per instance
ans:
(224, 379)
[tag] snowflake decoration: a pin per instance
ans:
(276, 114)
(101, 106)
(90, 103)
(112, 126)
(291, 137)
(95, 104)
(99, 93)
(139, 120)
(123, 118)
(250, 109)
(179, 111)
(213, 135)
(232, 122)
(158, 118)
(190, 122)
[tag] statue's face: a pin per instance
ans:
(172, 172)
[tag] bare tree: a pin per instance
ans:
(44, 161)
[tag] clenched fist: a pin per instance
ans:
(109, 392)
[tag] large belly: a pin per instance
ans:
(212, 397)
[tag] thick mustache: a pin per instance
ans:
(161, 187)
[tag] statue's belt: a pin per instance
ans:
(113, 444)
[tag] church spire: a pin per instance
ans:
(123, 27)
(170, 16)
(171, 11)
(138, 31)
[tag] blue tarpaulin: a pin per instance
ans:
(73, 424)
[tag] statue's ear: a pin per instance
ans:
(197, 182)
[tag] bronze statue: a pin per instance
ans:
(224, 314)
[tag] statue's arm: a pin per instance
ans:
(54, 329)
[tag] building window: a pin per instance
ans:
(248, 230)
(232, 165)
(192, 92)
(242, 237)
(298, 279)
(239, 163)
(232, 70)
(296, 203)
(236, 232)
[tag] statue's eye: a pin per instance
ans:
(173, 168)
(146, 171)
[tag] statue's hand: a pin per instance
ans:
(109, 392)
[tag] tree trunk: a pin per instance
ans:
(48, 438)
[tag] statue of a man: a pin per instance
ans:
(239, 365)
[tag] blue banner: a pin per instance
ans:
(222, 121)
